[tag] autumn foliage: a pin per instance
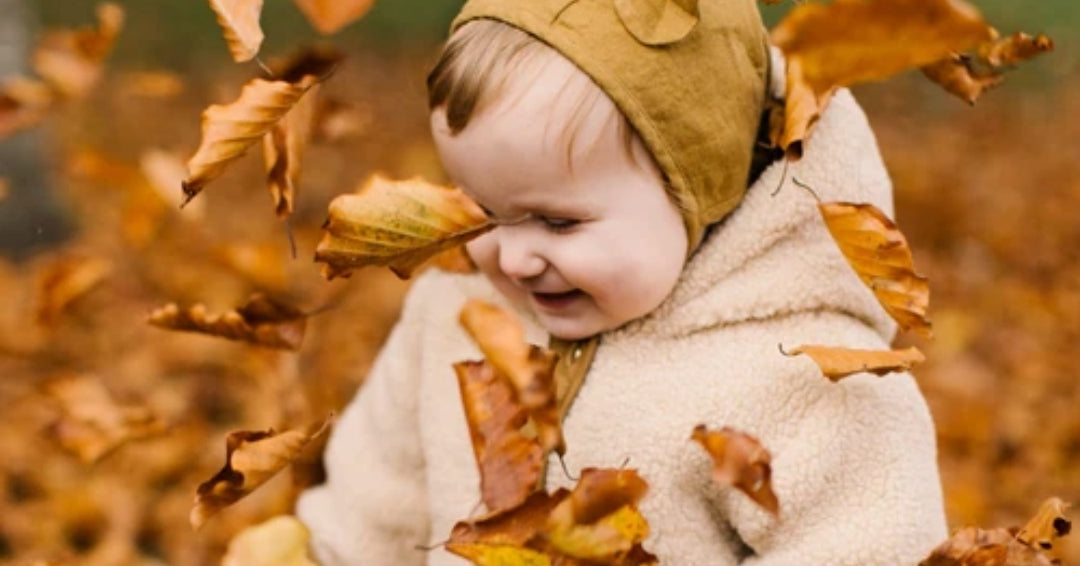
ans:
(148, 429)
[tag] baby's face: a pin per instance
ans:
(587, 237)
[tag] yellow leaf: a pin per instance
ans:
(837, 363)
(879, 254)
(847, 42)
(229, 130)
(260, 321)
(329, 16)
(1048, 525)
(498, 555)
(739, 460)
(599, 520)
(71, 60)
(281, 541)
(239, 20)
(396, 223)
(251, 458)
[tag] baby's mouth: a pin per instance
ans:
(554, 301)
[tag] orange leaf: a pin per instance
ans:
(510, 462)
(742, 462)
(261, 321)
(71, 60)
(454, 260)
(879, 254)
(971, 546)
(251, 458)
(239, 20)
(968, 75)
(92, 423)
(229, 130)
(396, 223)
(64, 280)
(1048, 525)
(848, 42)
(837, 363)
(23, 103)
(531, 369)
(329, 16)
(599, 521)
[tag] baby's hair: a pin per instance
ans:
(476, 64)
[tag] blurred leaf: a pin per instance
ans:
(251, 458)
(152, 84)
(837, 363)
(23, 103)
(530, 368)
(846, 42)
(739, 460)
(281, 541)
(968, 75)
(337, 121)
(239, 21)
(229, 130)
(164, 171)
(396, 223)
(65, 279)
(261, 321)
(71, 60)
(509, 461)
(329, 16)
(92, 424)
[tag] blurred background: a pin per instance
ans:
(988, 195)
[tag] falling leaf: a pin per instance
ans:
(261, 321)
(396, 223)
(879, 254)
(329, 16)
(531, 369)
(284, 144)
(280, 541)
(92, 423)
(251, 458)
(846, 42)
(968, 75)
(64, 280)
(1048, 525)
(971, 546)
(71, 60)
(509, 461)
(599, 520)
(165, 170)
(837, 363)
(742, 462)
(239, 20)
(229, 130)
(23, 103)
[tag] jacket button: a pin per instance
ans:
(575, 354)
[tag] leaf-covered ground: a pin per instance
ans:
(987, 196)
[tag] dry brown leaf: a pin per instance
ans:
(399, 224)
(261, 321)
(968, 75)
(71, 60)
(281, 541)
(531, 369)
(23, 103)
(229, 130)
(742, 462)
(879, 254)
(509, 461)
(239, 20)
(65, 279)
(92, 424)
(837, 363)
(1048, 525)
(847, 42)
(329, 16)
(164, 171)
(971, 546)
(284, 144)
(251, 458)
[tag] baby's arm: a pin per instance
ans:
(855, 471)
(373, 507)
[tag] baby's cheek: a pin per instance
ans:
(484, 253)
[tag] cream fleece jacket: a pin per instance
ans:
(854, 463)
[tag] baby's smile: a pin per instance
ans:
(557, 301)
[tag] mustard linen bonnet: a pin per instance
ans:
(690, 76)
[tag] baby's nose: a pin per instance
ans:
(518, 257)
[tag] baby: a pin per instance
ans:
(612, 141)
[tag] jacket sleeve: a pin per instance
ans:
(855, 473)
(372, 509)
